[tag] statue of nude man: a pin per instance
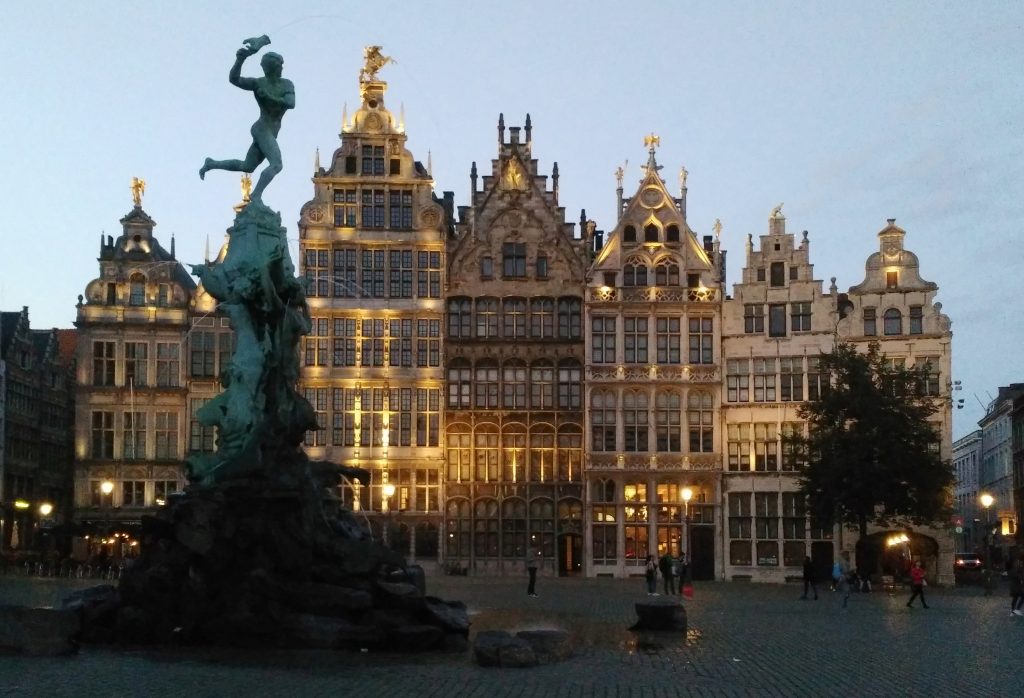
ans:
(275, 95)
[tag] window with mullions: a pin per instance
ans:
(103, 363)
(136, 364)
(373, 208)
(513, 256)
(542, 526)
(317, 398)
(428, 274)
(428, 406)
(400, 419)
(602, 420)
(928, 375)
(373, 160)
(766, 528)
(134, 446)
(916, 319)
(669, 339)
(766, 447)
(701, 340)
(137, 290)
(739, 529)
(668, 416)
(570, 453)
(345, 208)
(792, 458)
(570, 386)
(400, 342)
(602, 339)
(542, 453)
(400, 263)
(316, 343)
(344, 353)
(634, 274)
(800, 316)
(486, 384)
(428, 343)
(345, 279)
(513, 461)
(794, 529)
(817, 379)
(400, 208)
(458, 522)
(460, 318)
(486, 318)
(203, 352)
(737, 380)
(753, 318)
(634, 421)
(166, 435)
(514, 385)
(372, 343)
(666, 274)
(201, 437)
(133, 493)
(514, 318)
(542, 385)
(569, 318)
(168, 365)
(428, 488)
(738, 447)
(513, 529)
(460, 385)
(634, 339)
(485, 442)
(318, 273)
(870, 329)
(459, 454)
(764, 380)
(373, 274)
(700, 421)
(791, 374)
(542, 318)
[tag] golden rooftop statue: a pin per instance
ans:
(138, 189)
(375, 60)
(717, 227)
(246, 187)
(652, 141)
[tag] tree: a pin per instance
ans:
(871, 454)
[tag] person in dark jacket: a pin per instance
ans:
(809, 581)
(1017, 587)
(669, 578)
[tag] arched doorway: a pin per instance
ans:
(891, 553)
(570, 554)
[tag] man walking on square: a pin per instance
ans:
(843, 582)
(917, 584)
(532, 563)
(669, 579)
(809, 581)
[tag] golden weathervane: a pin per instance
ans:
(652, 141)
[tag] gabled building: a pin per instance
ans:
(514, 355)
(774, 327)
(653, 386)
(372, 247)
(131, 408)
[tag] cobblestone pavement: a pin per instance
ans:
(744, 640)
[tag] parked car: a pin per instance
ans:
(967, 561)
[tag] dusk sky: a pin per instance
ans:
(850, 113)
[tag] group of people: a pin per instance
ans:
(674, 574)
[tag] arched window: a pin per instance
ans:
(570, 453)
(485, 441)
(672, 233)
(513, 529)
(668, 408)
(629, 234)
(459, 384)
(634, 421)
(602, 420)
(699, 418)
(485, 528)
(569, 385)
(893, 321)
(514, 318)
(137, 290)
(542, 318)
(650, 233)
(459, 533)
(569, 318)
(634, 274)
(486, 318)
(666, 274)
(514, 385)
(513, 457)
(460, 318)
(542, 385)
(542, 453)
(486, 384)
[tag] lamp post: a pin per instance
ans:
(687, 495)
(107, 488)
(986, 501)
(389, 492)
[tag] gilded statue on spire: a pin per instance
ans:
(652, 141)
(374, 61)
(683, 174)
(717, 227)
(138, 189)
(246, 187)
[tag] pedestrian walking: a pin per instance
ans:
(843, 581)
(669, 579)
(651, 574)
(1017, 587)
(809, 581)
(532, 563)
(917, 584)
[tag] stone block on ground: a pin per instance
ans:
(451, 615)
(486, 647)
(660, 614)
(43, 632)
(549, 646)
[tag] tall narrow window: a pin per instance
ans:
(700, 421)
(542, 266)
(629, 234)
(103, 363)
(400, 274)
(777, 320)
(669, 337)
(459, 385)
(602, 336)
(486, 318)
(514, 385)
(373, 208)
(345, 281)
(373, 159)
(136, 365)
(460, 318)
(916, 319)
(345, 208)
(634, 421)
(166, 435)
(168, 365)
(753, 318)
(344, 350)
(486, 384)
(602, 420)
(739, 529)
(892, 279)
(102, 434)
(870, 330)
(893, 321)
(318, 273)
(513, 260)
(634, 339)
(791, 372)
(570, 386)
(486, 268)
(542, 318)
(569, 318)
(137, 290)
(800, 316)
(764, 380)
(400, 208)
(737, 380)
(514, 318)
(542, 385)
(701, 340)
(428, 274)
(669, 409)
(778, 274)
(203, 352)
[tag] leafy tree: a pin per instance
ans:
(871, 454)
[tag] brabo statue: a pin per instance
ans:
(275, 95)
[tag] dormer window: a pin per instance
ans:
(778, 274)
(651, 233)
(891, 279)
(672, 233)
(629, 234)
(514, 260)
(373, 159)
(137, 290)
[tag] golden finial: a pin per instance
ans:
(138, 189)
(717, 227)
(652, 141)
(246, 187)
(374, 61)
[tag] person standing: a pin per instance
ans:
(809, 581)
(843, 581)
(1017, 587)
(669, 579)
(651, 574)
(532, 563)
(917, 584)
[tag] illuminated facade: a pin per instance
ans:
(774, 327)
(514, 358)
(131, 410)
(653, 386)
(372, 245)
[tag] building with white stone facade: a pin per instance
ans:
(967, 468)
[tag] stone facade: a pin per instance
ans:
(514, 356)
(966, 465)
(372, 247)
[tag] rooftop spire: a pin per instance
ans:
(652, 142)
(501, 129)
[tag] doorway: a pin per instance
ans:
(570, 555)
(702, 553)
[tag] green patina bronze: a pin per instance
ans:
(275, 95)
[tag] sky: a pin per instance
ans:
(850, 113)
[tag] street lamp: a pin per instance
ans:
(986, 501)
(389, 492)
(107, 488)
(687, 494)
